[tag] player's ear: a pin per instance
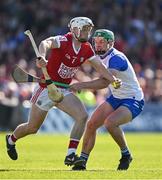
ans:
(111, 43)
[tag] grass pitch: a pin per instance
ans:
(42, 156)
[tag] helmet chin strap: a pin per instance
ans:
(75, 36)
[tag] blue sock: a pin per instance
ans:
(84, 156)
(125, 152)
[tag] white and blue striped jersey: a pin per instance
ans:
(130, 88)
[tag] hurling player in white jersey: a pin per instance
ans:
(120, 107)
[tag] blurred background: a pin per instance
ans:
(137, 25)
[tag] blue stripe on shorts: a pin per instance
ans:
(133, 105)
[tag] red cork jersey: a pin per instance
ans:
(64, 62)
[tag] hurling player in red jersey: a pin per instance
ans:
(67, 53)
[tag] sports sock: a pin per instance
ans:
(125, 152)
(12, 139)
(73, 144)
(84, 156)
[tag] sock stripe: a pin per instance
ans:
(84, 156)
(13, 138)
(73, 144)
(125, 151)
(71, 139)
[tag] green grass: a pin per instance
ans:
(42, 156)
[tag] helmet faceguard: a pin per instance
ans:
(83, 25)
(101, 40)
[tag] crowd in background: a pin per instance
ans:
(137, 25)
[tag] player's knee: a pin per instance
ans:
(91, 126)
(109, 125)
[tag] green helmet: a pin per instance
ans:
(106, 34)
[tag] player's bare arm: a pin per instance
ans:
(47, 44)
(96, 63)
(95, 84)
(44, 46)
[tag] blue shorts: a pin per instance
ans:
(133, 105)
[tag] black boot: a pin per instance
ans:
(11, 151)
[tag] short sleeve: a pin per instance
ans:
(59, 39)
(118, 62)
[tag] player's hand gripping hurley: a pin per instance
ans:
(53, 92)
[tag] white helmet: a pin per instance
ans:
(79, 22)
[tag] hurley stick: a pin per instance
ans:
(53, 92)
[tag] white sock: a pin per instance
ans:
(70, 151)
(10, 141)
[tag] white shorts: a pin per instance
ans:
(40, 97)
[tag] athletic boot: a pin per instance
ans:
(81, 167)
(72, 159)
(124, 162)
(11, 151)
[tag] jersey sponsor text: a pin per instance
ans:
(66, 72)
